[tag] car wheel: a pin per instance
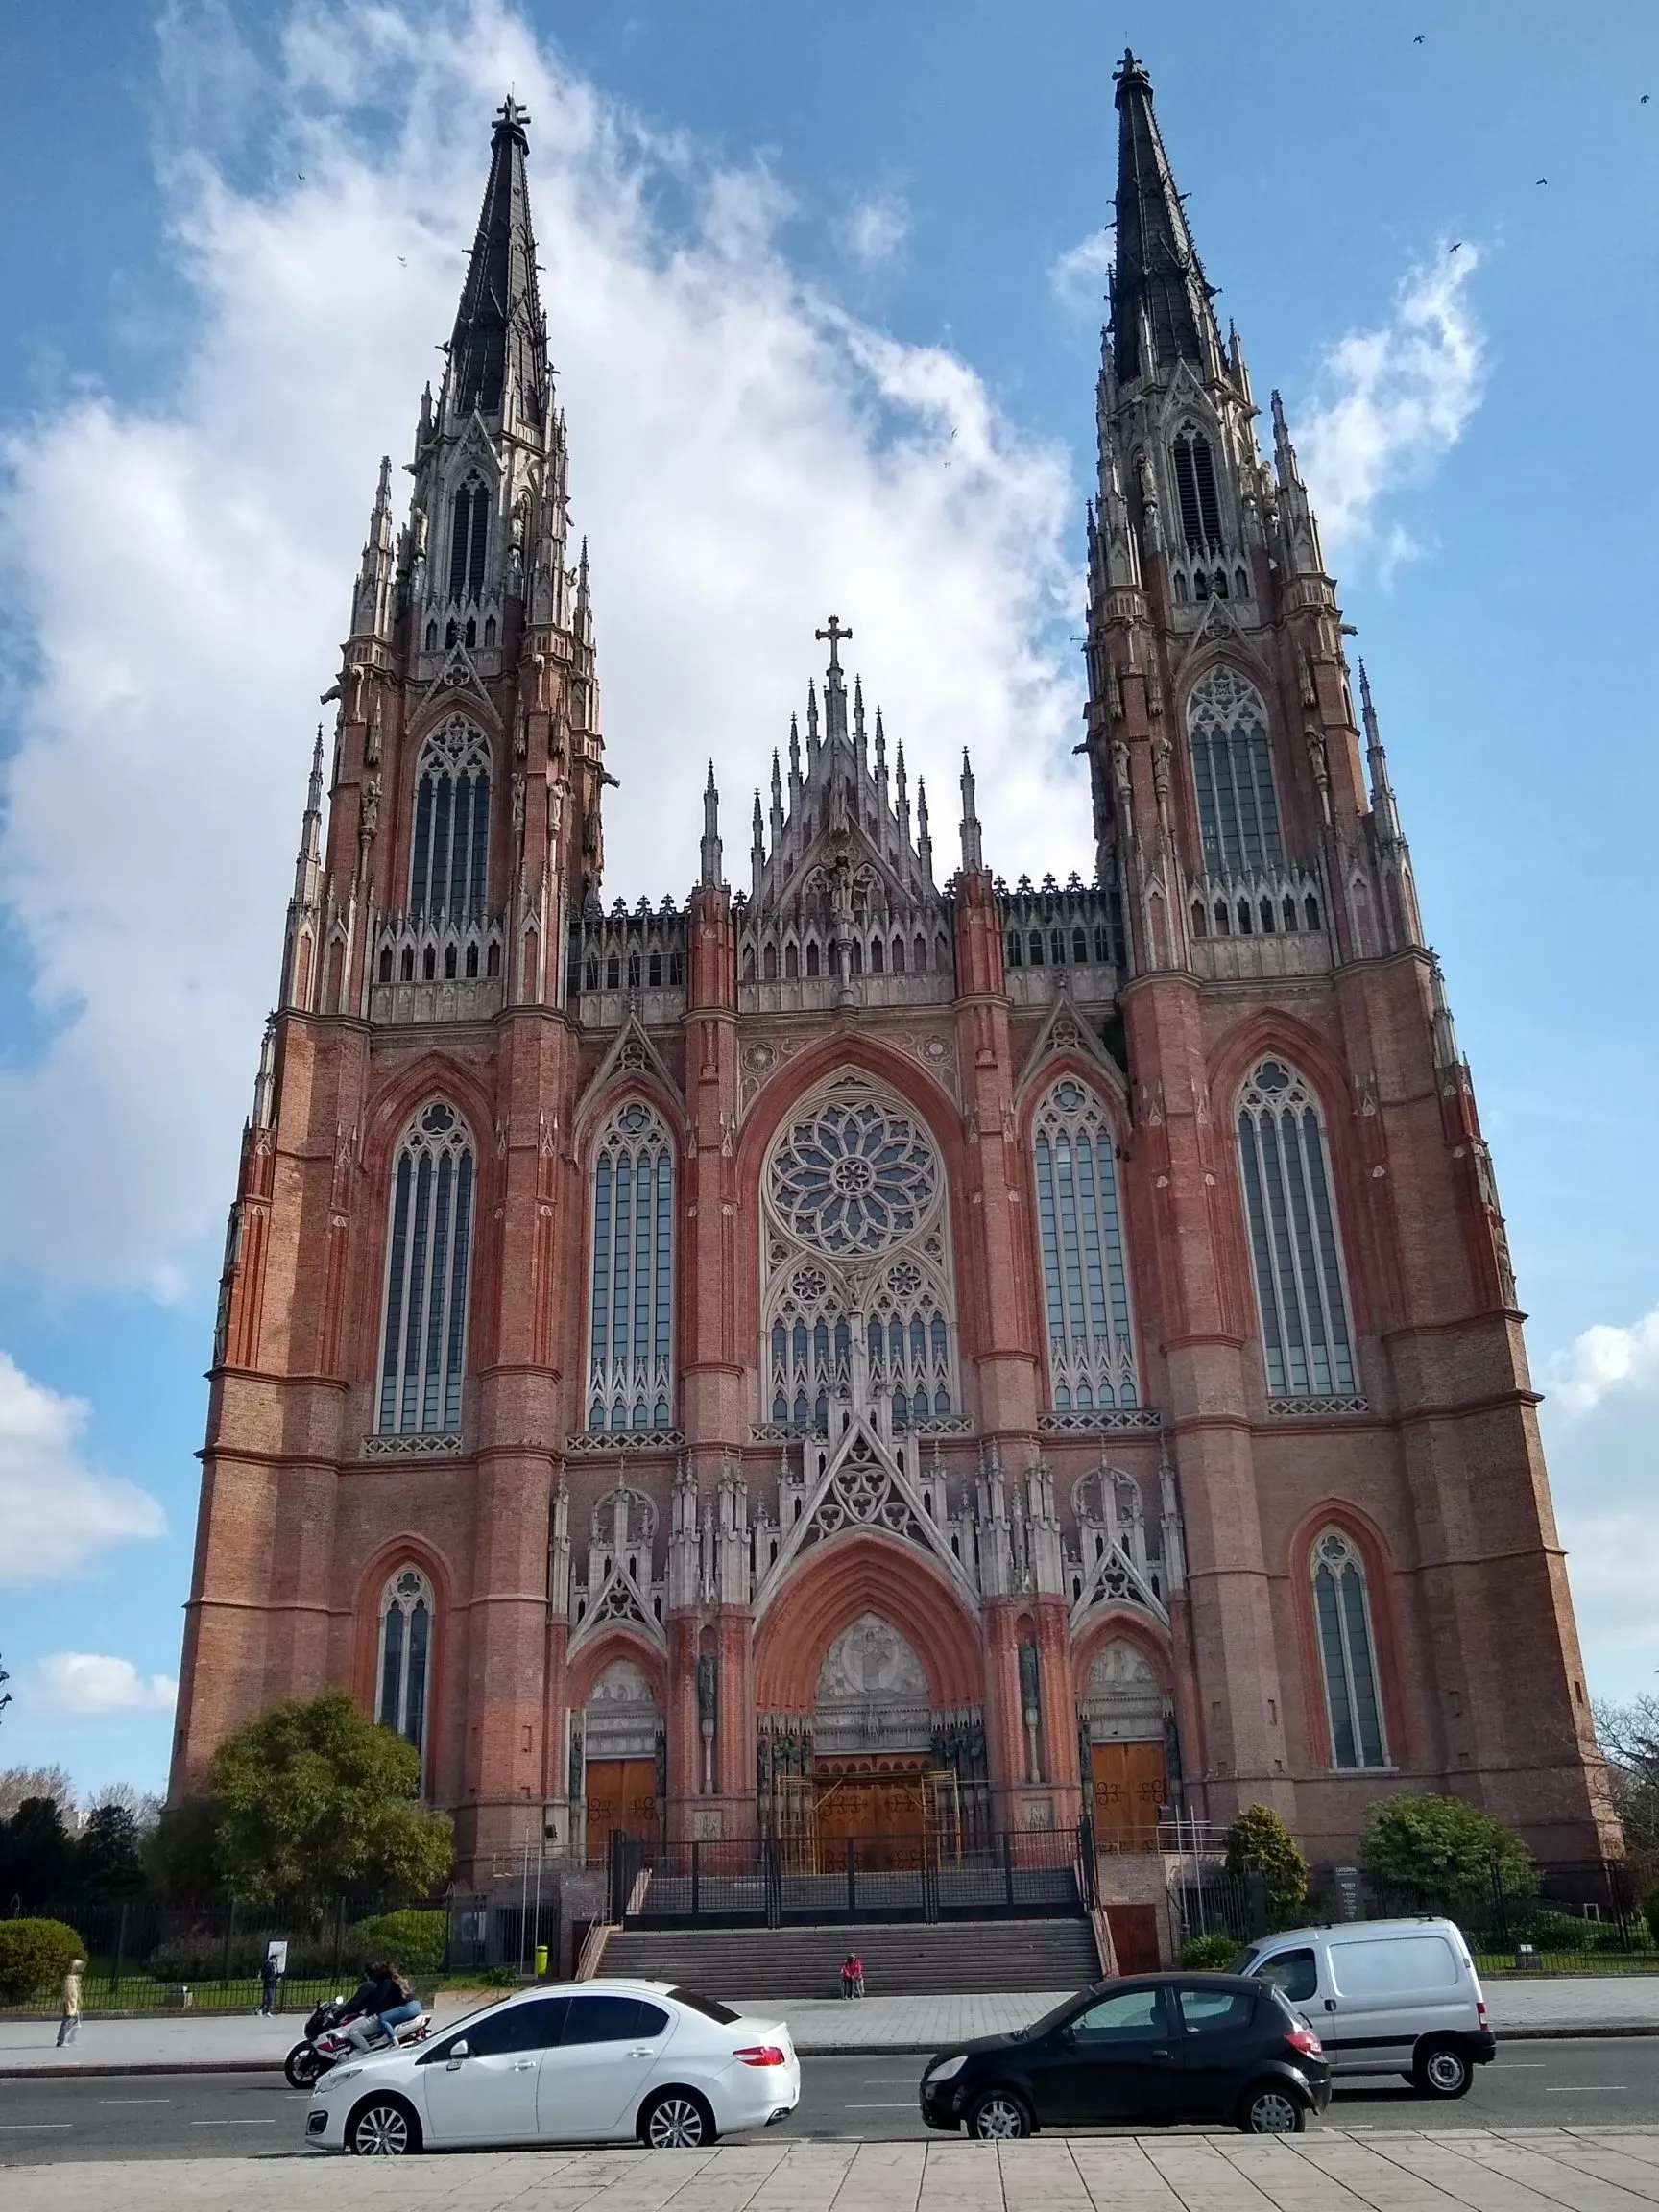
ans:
(383, 2127)
(677, 2121)
(998, 2116)
(1441, 2070)
(302, 2068)
(1269, 2108)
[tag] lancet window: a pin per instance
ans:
(405, 1654)
(1195, 491)
(428, 1265)
(856, 1263)
(1306, 1339)
(1085, 1282)
(1347, 1653)
(468, 540)
(448, 870)
(1232, 775)
(631, 1291)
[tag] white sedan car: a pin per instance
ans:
(595, 2062)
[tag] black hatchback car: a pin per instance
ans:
(1143, 2052)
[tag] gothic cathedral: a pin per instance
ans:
(882, 1352)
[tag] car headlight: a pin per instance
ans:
(335, 2075)
(947, 2069)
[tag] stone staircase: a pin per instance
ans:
(956, 1958)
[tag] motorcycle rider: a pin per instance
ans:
(380, 2005)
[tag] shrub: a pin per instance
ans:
(416, 1941)
(1437, 1852)
(1259, 1842)
(1650, 1912)
(34, 1956)
(1208, 1954)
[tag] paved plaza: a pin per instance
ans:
(1529, 2170)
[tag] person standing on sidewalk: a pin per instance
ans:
(69, 2025)
(268, 1981)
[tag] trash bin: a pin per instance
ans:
(540, 1959)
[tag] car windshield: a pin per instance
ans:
(711, 2007)
(1050, 2020)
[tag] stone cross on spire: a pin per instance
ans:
(833, 635)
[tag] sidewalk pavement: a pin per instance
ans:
(1449, 2170)
(1600, 2005)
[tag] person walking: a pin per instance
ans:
(69, 2025)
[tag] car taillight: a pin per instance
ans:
(1480, 2010)
(761, 2054)
(1303, 2038)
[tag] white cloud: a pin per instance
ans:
(1606, 1358)
(56, 1512)
(1077, 277)
(745, 457)
(1389, 402)
(76, 1682)
(876, 230)
(1601, 1421)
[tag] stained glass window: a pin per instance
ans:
(1307, 1341)
(448, 869)
(1233, 773)
(405, 1648)
(631, 1303)
(1085, 1284)
(429, 1262)
(856, 1263)
(1347, 1654)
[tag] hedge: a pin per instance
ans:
(34, 1956)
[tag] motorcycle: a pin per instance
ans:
(325, 2042)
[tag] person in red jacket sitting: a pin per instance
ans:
(853, 1975)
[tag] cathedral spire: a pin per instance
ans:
(712, 853)
(972, 844)
(499, 354)
(1161, 311)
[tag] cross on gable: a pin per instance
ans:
(832, 636)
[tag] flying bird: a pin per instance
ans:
(1543, 180)
(1457, 246)
(401, 263)
(1418, 40)
(1646, 97)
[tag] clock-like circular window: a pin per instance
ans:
(857, 1177)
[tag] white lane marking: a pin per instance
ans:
(908, 2106)
(134, 2100)
(1586, 2089)
(233, 2123)
(32, 2127)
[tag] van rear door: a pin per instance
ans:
(1389, 1990)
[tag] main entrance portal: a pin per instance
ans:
(876, 1771)
(1123, 1722)
(620, 1759)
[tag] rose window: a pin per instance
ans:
(857, 1178)
(857, 1267)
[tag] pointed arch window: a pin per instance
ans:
(428, 1268)
(449, 863)
(1347, 1654)
(1307, 1337)
(1195, 491)
(856, 1263)
(1233, 774)
(631, 1286)
(405, 1655)
(1085, 1282)
(468, 540)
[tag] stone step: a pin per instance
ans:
(902, 1960)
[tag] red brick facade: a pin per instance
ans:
(969, 1460)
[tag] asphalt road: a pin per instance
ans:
(1610, 2081)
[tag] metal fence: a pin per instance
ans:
(144, 1957)
(1585, 1917)
(780, 1880)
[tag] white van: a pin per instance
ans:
(1386, 1997)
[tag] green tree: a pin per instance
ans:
(1259, 1842)
(180, 1868)
(108, 1860)
(313, 1801)
(35, 1854)
(1434, 1852)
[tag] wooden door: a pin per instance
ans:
(1130, 1784)
(1135, 1937)
(621, 1793)
(885, 1816)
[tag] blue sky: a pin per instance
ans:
(791, 251)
